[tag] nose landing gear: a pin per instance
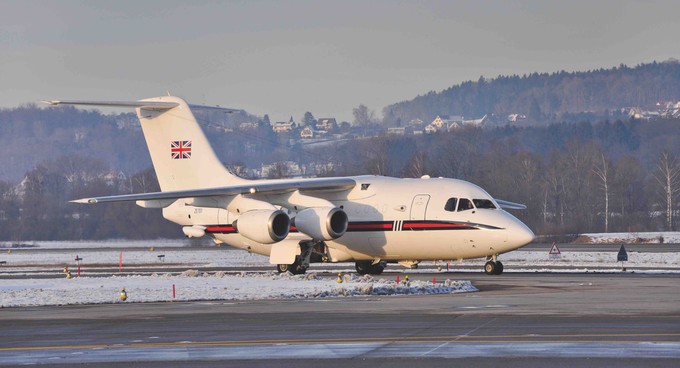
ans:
(493, 266)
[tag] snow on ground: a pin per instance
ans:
(204, 257)
(113, 243)
(196, 285)
(19, 260)
(630, 238)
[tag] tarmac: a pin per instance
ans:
(515, 320)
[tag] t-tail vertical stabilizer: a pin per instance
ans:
(180, 152)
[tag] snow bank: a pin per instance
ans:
(197, 285)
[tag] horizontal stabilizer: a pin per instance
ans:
(155, 105)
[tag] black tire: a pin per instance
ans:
(490, 268)
(282, 268)
(295, 268)
(499, 268)
(378, 269)
(363, 267)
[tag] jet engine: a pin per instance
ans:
(263, 226)
(321, 223)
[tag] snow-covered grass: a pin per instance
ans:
(196, 285)
(204, 257)
(89, 244)
(630, 238)
(32, 260)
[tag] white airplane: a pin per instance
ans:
(369, 220)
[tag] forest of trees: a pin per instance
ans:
(547, 98)
(574, 178)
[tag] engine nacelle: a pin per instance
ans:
(263, 226)
(322, 223)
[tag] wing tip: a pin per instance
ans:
(85, 200)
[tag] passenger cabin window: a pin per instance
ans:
(464, 204)
(451, 205)
(484, 203)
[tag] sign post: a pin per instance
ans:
(622, 256)
(554, 251)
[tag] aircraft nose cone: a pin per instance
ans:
(520, 235)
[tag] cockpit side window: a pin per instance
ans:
(451, 205)
(484, 203)
(464, 204)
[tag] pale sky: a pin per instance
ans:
(287, 57)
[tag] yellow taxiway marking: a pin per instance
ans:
(530, 338)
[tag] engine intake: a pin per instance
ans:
(322, 223)
(263, 226)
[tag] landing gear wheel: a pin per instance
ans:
(368, 268)
(490, 268)
(377, 269)
(295, 268)
(499, 268)
(282, 268)
(363, 267)
(493, 268)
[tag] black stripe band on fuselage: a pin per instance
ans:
(382, 226)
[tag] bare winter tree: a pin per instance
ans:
(668, 175)
(603, 172)
(417, 165)
(279, 171)
(363, 116)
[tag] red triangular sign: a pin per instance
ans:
(554, 249)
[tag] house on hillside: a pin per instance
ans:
(307, 132)
(473, 122)
(516, 118)
(429, 129)
(326, 124)
(444, 122)
(247, 126)
(400, 131)
(283, 127)
(415, 123)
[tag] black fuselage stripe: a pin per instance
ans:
(378, 226)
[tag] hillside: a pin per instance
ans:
(546, 98)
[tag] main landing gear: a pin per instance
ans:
(493, 266)
(368, 268)
(295, 268)
(310, 251)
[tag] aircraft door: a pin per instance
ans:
(419, 206)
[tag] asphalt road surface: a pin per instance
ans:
(515, 320)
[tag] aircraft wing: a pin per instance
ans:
(254, 187)
(510, 205)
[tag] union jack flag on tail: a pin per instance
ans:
(180, 149)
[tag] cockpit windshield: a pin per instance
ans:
(464, 204)
(484, 203)
(451, 204)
